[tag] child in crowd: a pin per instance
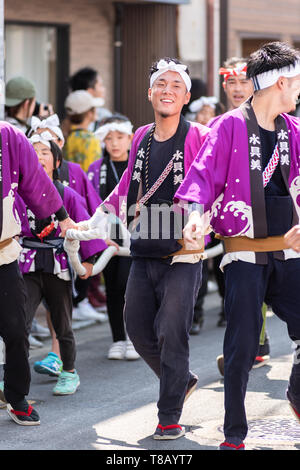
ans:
(44, 263)
(206, 108)
(82, 146)
(70, 174)
(115, 133)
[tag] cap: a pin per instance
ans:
(17, 90)
(80, 101)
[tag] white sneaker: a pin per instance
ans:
(85, 311)
(117, 350)
(130, 352)
(39, 330)
(34, 343)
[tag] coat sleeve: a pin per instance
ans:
(76, 206)
(35, 187)
(206, 177)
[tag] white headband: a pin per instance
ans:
(196, 105)
(123, 127)
(44, 138)
(51, 122)
(164, 66)
(266, 79)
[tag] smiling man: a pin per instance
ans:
(237, 86)
(247, 175)
(165, 277)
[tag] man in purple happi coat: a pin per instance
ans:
(247, 177)
(164, 279)
(20, 173)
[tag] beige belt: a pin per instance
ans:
(185, 251)
(253, 244)
(5, 243)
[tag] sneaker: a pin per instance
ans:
(34, 343)
(3, 401)
(173, 431)
(197, 326)
(85, 311)
(264, 349)
(39, 330)
(212, 286)
(222, 321)
(51, 365)
(102, 309)
(130, 352)
(67, 383)
(230, 446)
(94, 301)
(260, 361)
(117, 350)
(78, 325)
(263, 356)
(295, 408)
(192, 385)
(220, 364)
(23, 413)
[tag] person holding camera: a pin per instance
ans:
(21, 104)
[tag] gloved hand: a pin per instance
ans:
(98, 221)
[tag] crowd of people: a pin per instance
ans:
(90, 161)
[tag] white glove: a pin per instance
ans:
(98, 221)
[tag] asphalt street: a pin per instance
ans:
(115, 407)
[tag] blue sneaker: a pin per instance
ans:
(51, 365)
(2, 397)
(67, 383)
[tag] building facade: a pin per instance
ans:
(48, 41)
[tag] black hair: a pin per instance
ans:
(12, 111)
(57, 157)
(232, 62)
(154, 68)
(83, 79)
(116, 117)
(271, 56)
(77, 119)
(199, 88)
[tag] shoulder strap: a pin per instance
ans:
(63, 172)
(60, 188)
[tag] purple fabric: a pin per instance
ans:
(23, 175)
(79, 181)
(219, 176)
(76, 207)
(94, 174)
(194, 140)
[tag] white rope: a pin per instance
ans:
(214, 251)
(73, 237)
(72, 245)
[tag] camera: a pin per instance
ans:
(36, 111)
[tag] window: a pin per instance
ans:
(40, 53)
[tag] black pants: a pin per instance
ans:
(198, 311)
(81, 287)
(159, 308)
(14, 333)
(115, 276)
(247, 286)
(58, 296)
